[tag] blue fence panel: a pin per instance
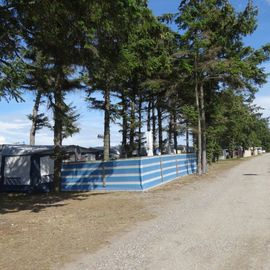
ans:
(122, 175)
(85, 187)
(112, 175)
(150, 172)
(192, 164)
(129, 175)
(169, 169)
(82, 176)
(82, 165)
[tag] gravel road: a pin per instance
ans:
(217, 223)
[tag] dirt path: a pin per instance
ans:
(209, 222)
(219, 223)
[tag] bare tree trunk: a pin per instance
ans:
(34, 119)
(203, 126)
(58, 129)
(170, 131)
(107, 111)
(140, 125)
(154, 127)
(132, 127)
(160, 130)
(124, 127)
(199, 132)
(175, 131)
(187, 137)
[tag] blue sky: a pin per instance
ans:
(14, 125)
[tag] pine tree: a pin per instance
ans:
(212, 51)
(11, 67)
(52, 28)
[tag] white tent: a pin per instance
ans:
(27, 168)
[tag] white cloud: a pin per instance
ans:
(16, 124)
(2, 140)
(264, 102)
(15, 128)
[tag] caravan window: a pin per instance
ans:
(17, 170)
(46, 166)
(46, 169)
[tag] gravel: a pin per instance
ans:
(217, 223)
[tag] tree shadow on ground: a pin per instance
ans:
(16, 202)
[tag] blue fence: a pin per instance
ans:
(127, 175)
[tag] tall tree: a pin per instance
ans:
(38, 120)
(54, 29)
(11, 66)
(212, 51)
(114, 69)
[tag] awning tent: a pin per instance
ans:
(30, 168)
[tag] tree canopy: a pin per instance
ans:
(199, 81)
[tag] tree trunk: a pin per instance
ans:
(124, 127)
(132, 128)
(170, 131)
(140, 126)
(170, 134)
(203, 126)
(175, 131)
(154, 127)
(187, 137)
(58, 129)
(199, 132)
(107, 111)
(160, 130)
(34, 119)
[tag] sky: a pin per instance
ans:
(14, 125)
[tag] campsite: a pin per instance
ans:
(134, 134)
(87, 230)
(48, 231)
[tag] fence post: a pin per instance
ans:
(161, 172)
(140, 172)
(103, 175)
(177, 169)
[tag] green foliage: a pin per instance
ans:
(11, 78)
(212, 55)
(70, 121)
(11, 66)
(41, 121)
(204, 75)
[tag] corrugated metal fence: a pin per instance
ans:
(129, 175)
